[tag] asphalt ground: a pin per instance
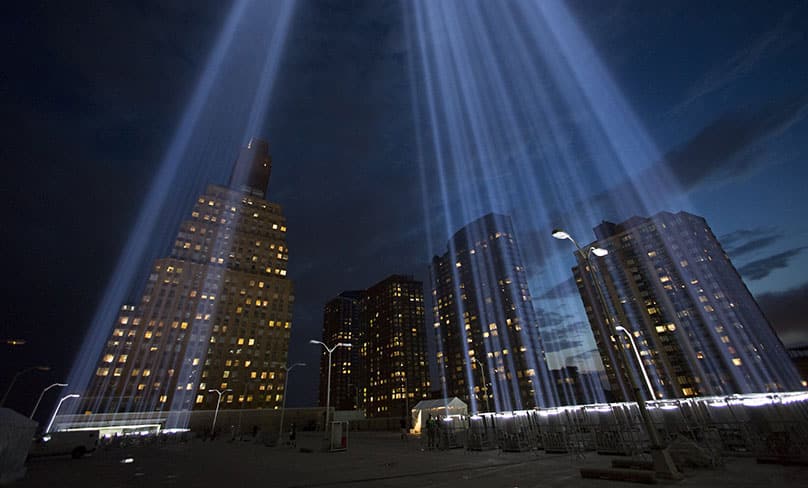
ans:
(371, 460)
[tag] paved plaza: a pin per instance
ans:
(372, 460)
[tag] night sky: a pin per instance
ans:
(92, 94)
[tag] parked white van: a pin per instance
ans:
(77, 443)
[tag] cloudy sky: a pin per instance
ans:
(96, 94)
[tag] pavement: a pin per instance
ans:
(371, 460)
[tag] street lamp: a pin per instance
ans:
(328, 391)
(53, 417)
(485, 382)
(42, 394)
(283, 407)
(17, 375)
(216, 413)
(639, 360)
(663, 463)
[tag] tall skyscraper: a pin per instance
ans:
(394, 366)
(341, 324)
(215, 314)
(484, 315)
(696, 327)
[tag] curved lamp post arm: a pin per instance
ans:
(36, 406)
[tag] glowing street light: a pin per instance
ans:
(283, 407)
(485, 382)
(597, 251)
(328, 391)
(663, 463)
(17, 375)
(216, 413)
(560, 234)
(42, 394)
(15, 342)
(53, 417)
(639, 360)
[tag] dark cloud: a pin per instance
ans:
(746, 241)
(787, 311)
(761, 268)
(725, 146)
(551, 320)
(561, 343)
(560, 331)
(565, 289)
(589, 359)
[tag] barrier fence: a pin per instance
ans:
(760, 425)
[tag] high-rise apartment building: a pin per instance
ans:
(483, 315)
(393, 353)
(215, 314)
(698, 330)
(385, 371)
(341, 325)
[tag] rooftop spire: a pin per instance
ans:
(252, 169)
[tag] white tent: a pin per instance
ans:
(439, 408)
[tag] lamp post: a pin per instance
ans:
(485, 383)
(639, 360)
(283, 407)
(328, 391)
(17, 375)
(216, 413)
(59, 405)
(43, 394)
(663, 463)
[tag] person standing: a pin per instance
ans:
(431, 427)
(293, 435)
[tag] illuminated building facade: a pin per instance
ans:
(697, 328)
(799, 355)
(393, 353)
(341, 324)
(215, 314)
(482, 310)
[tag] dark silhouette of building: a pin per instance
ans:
(341, 324)
(697, 328)
(215, 314)
(483, 312)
